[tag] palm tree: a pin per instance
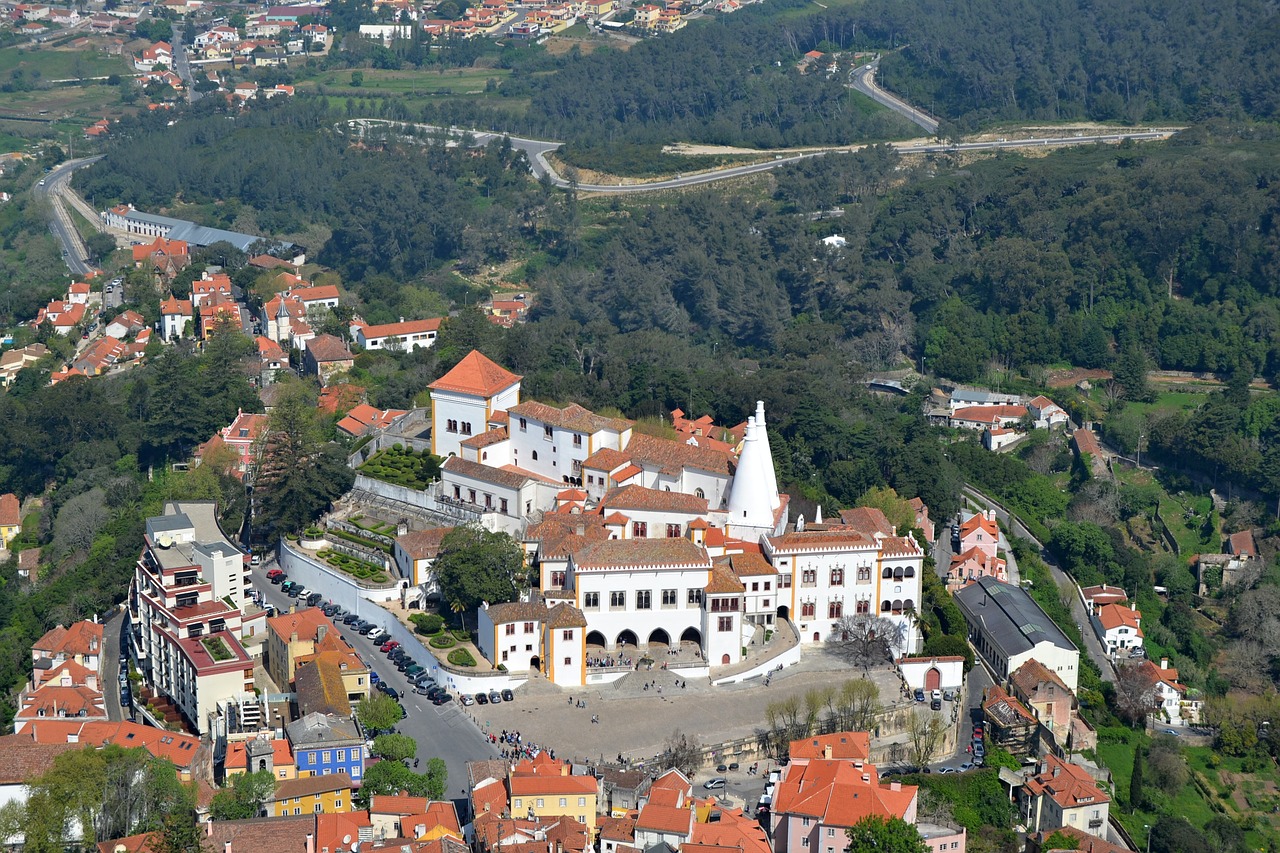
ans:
(458, 608)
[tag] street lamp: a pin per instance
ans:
(1147, 827)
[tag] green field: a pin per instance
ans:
(1218, 785)
(50, 64)
(462, 81)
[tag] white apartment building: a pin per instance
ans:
(189, 610)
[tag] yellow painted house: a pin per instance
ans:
(598, 7)
(10, 518)
(311, 795)
(543, 787)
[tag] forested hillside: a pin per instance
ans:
(1055, 60)
(729, 84)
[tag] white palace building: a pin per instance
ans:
(642, 544)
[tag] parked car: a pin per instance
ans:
(389, 645)
(302, 591)
(936, 694)
(948, 696)
(374, 678)
(977, 732)
(422, 691)
(416, 669)
(935, 704)
(287, 585)
(273, 574)
(508, 696)
(466, 699)
(440, 699)
(377, 633)
(495, 698)
(387, 689)
(405, 662)
(946, 770)
(482, 699)
(125, 698)
(350, 619)
(919, 695)
(255, 560)
(365, 629)
(714, 783)
(423, 678)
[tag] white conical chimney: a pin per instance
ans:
(749, 501)
(771, 477)
(817, 516)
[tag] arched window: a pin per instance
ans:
(699, 493)
(910, 572)
(885, 605)
(535, 456)
(886, 574)
(909, 606)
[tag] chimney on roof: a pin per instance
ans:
(1164, 663)
(817, 515)
(311, 843)
(321, 631)
(580, 529)
(895, 786)
(826, 752)
(208, 827)
(226, 847)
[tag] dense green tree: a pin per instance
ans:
(245, 797)
(477, 565)
(378, 712)
(886, 835)
(394, 747)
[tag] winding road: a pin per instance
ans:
(50, 189)
(537, 149)
(863, 79)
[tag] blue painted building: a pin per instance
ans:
(324, 744)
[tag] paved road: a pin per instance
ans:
(537, 149)
(182, 65)
(60, 223)
(1061, 578)
(111, 631)
(445, 731)
(863, 79)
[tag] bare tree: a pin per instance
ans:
(862, 698)
(865, 640)
(924, 735)
(683, 752)
(79, 521)
(1135, 694)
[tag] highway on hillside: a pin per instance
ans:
(49, 189)
(537, 149)
(863, 79)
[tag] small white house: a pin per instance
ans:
(932, 673)
(1120, 629)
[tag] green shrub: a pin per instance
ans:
(442, 641)
(427, 623)
(461, 634)
(461, 657)
(502, 667)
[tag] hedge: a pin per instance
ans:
(442, 641)
(461, 657)
(427, 623)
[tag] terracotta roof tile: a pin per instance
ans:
(476, 375)
(653, 500)
(308, 785)
(723, 582)
(10, 510)
(571, 417)
(641, 552)
(566, 616)
(325, 348)
(488, 438)
(850, 746)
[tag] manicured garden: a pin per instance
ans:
(358, 569)
(217, 649)
(402, 467)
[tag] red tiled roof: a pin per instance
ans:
(1069, 785)
(653, 500)
(866, 519)
(328, 348)
(82, 638)
(1117, 616)
(1028, 678)
(22, 759)
(641, 552)
(851, 746)
(477, 375)
(817, 540)
(571, 417)
(10, 510)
